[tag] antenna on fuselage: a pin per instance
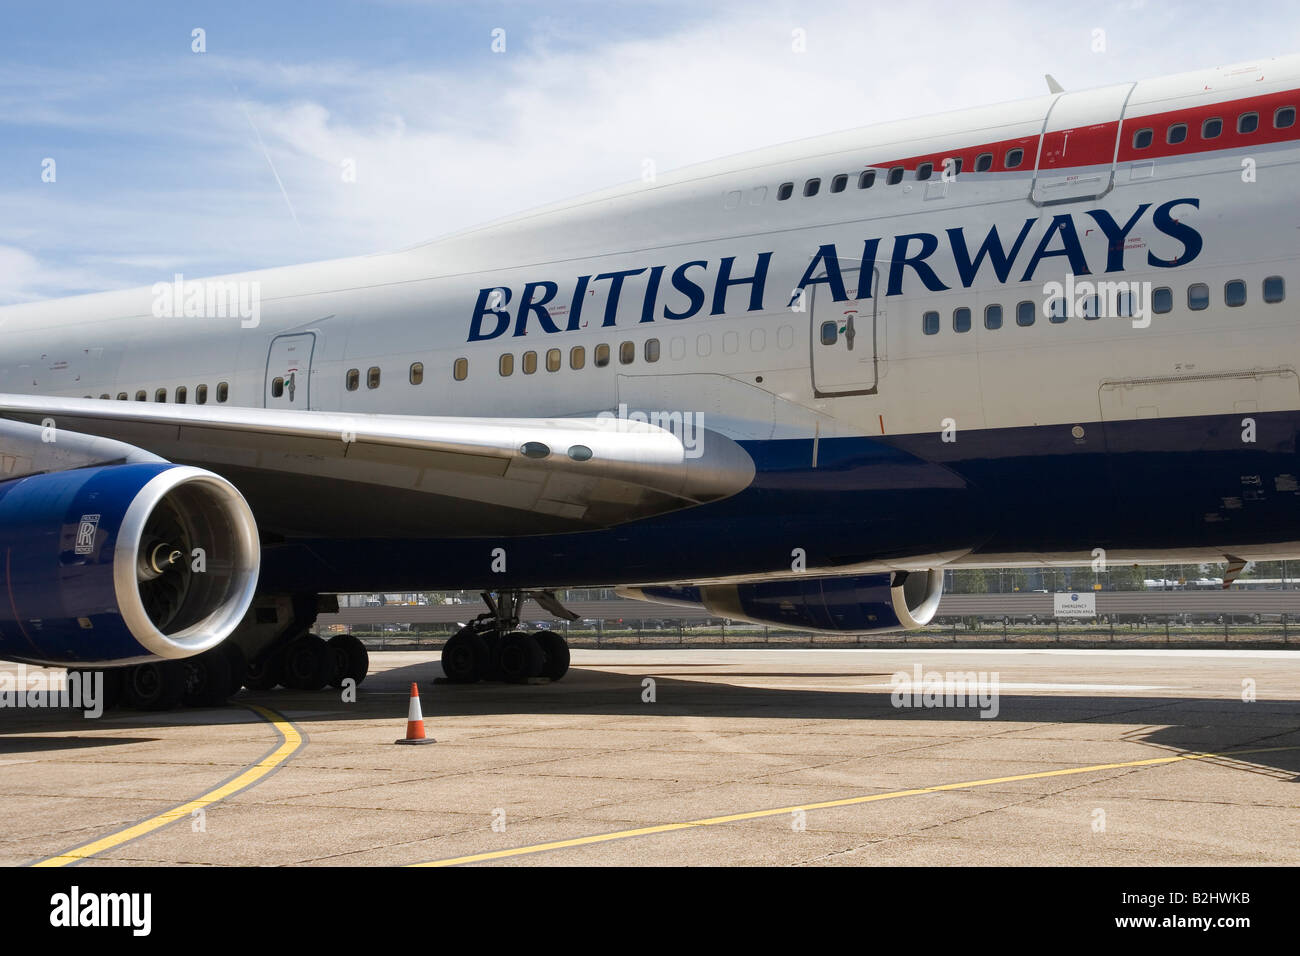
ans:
(1052, 85)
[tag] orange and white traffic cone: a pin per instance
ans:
(415, 721)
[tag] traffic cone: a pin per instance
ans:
(415, 721)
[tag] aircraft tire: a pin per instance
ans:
(157, 685)
(353, 657)
(307, 663)
(555, 651)
(520, 657)
(207, 679)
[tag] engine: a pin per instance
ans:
(862, 603)
(122, 563)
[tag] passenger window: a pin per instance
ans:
(554, 359)
(1198, 296)
(992, 316)
(1124, 305)
(577, 357)
(923, 171)
(930, 323)
(601, 357)
(1234, 293)
(122, 397)
(223, 391)
(831, 333)
(416, 376)
(867, 179)
(1162, 300)
(505, 364)
(200, 395)
(983, 162)
(784, 190)
(839, 182)
(895, 176)
(106, 395)
(277, 387)
(182, 393)
(1247, 122)
(1092, 307)
(353, 380)
(1211, 128)
(1056, 311)
(160, 395)
(811, 186)
(652, 350)
(961, 320)
(953, 162)
(372, 377)
(1014, 158)
(1142, 138)
(460, 369)
(529, 363)
(626, 353)
(1176, 134)
(1274, 289)
(1026, 312)
(142, 396)
(704, 345)
(1284, 117)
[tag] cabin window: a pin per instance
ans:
(277, 387)
(930, 323)
(200, 395)
(1056, 311)
(1162, 300)
(1247, 122)
(839, 182)
(895, 176)
(1176, 134)
(1014, 158)
(924, 170)
(811, 186)
(830, 333)
(993, 317)
(506, 364)
(554, 358)
(652, 350)
(416, 375)
(1234, 293)
(223, 391)
(577, 357)
(704, 345)
(1212, 128)
(601, 356)
(983, 162)
(160, 395)
(372, 377)
(1142, 138)
(1198, 296)
(182, 393)
(953, 163)
(1026, 313)
(1124, 305)
(784, 191)
(106, 395)
(961, 319)
(122, 397)
(626, 353)
(867, 179)
(1092, 307)
(1284, 117)
(1274, 289)
(529, 363)
(353, 379)
(460, 369)
(142, 396)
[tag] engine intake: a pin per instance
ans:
(123, 563)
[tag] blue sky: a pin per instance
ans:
(167, 160)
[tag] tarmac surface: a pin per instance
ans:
(789, 757)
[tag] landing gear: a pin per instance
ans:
(207, 678)
(491, 648)
(352, 660)
(156, 685)
(308, 663)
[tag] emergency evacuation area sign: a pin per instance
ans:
(1074, 604)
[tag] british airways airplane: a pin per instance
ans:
(791, 386)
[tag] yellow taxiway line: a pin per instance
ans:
(290, 741)
(847, 802)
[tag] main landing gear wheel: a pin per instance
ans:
(555, 651)
(308, 663)
(263, 674)
(352, 657)
(521, 657)
(465, 657)
(157, 685)
(207, 678)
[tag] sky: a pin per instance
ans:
(305, 131)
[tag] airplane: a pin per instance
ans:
(791, 386)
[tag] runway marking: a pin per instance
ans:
(290, 741)
(826, 804)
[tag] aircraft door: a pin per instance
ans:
(845, 339)
(1076, 158)
(288, 371)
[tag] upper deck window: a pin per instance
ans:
(839, 182)
(1015, 157)
(895, 176)
(1284, 117)
(983, 162)
(811, 186)
(1176, 134)
(784, 191)
(1247, 122)
(1142, 138)
(924, 170)
(1212, 128)
(867, 179)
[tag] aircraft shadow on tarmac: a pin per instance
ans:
(1179, 724)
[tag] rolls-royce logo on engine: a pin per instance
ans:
(86, 534)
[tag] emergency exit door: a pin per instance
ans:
(1076, 158)
(844, 339)
(288, 371)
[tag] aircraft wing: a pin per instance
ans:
(322, 473)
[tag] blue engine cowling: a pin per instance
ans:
(122, 563)
(861, 603)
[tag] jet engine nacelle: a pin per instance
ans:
(862, 603)
(122, 563)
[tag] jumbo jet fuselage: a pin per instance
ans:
(1030, 333)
